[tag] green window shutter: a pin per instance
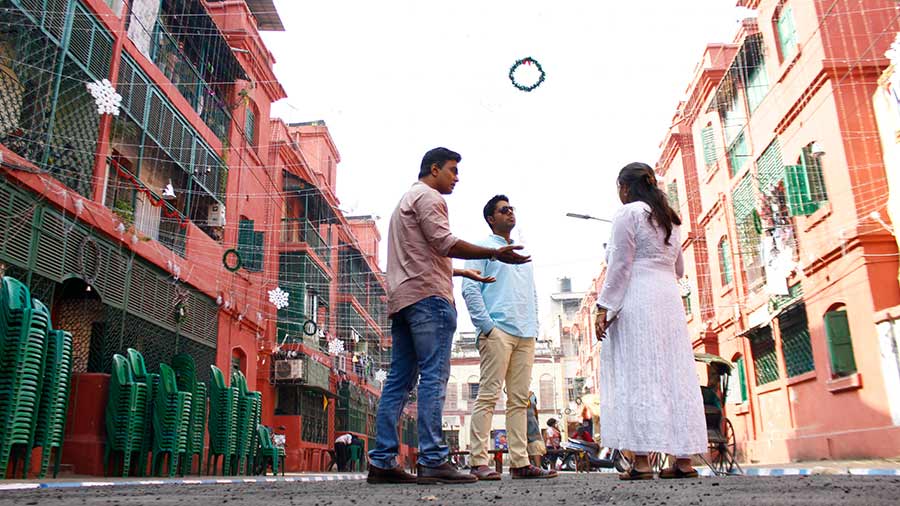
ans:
(725, 262)
(787, 33)
(709, 146)
(737, 154)
(686, 301)
(769, 167)
(800, 202)
(250, 126)
(742, 378)
(673, 195)
(840, 345)
(245, 242)
(258, 247)
(757, 85)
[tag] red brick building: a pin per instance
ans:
(121, 224)
(775, 164)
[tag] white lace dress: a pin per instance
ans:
(649, 394)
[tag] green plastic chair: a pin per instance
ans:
(54, 399)
(186, 376)
(248, 419)
(125, 409)
(268, 454)
(223, 420)
(140, 375)
(171, 417)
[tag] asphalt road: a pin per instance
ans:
(569, 489)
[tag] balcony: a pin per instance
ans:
(301, 231)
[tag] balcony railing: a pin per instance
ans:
(206, 101)
(300, 230)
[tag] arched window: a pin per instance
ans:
(548, 392)
(840, 343)
(725, 271)
(470, 389)
(450, 402)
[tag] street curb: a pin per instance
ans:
(812, 471)
(180, 481)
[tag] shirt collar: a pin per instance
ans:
(501, 239)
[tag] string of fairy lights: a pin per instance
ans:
(864, 194)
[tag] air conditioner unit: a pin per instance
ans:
(288, 369)
(216, 215)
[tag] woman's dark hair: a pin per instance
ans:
(438, 156)
(551, 422)
(640, 181)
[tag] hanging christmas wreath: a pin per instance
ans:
(310, 328)
(529, 61)
(232, 260)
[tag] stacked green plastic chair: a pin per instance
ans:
(125, 410)
(140, 375)
(267, 454)
(223, 419)
(249, 407)
(186, 376)
(23, 329)
(171, 418)
(54, 399)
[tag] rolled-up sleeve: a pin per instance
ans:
(433, 219)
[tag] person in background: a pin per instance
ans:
(342, 450)
(552, 440)
(536, 448)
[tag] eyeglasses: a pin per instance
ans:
(506, 210)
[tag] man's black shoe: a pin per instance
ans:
(445, 473)
(394, 475)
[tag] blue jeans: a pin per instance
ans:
(422, 335)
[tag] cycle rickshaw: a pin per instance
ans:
(721, 456)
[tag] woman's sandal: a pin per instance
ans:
(635, 475)
(675, 473)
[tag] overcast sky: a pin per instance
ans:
(395, 78)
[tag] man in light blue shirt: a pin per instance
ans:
(505, 314)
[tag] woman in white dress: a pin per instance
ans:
(650, 397)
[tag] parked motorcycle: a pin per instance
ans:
(578, 455)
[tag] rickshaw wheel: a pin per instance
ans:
(723, 454)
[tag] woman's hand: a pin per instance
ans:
(600, 323)
(474, 275)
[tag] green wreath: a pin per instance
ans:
(526, 61)
(310, 328)
(237, 260)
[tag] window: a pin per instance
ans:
(570, 389)
(738, 385)
(311, 309)
(450, 402)
(757, 85)
(672, 190)
(795, 342)
(738, 153)
(725, 272)
(548, 392)
(805, 183)
(686, 302)
(473, 391)
(250, 246)
(840, 344)
(765, 359)
(250, 126)
(786, 32)
(709, 146)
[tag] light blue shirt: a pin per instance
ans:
(510, 303)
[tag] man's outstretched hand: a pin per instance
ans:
(508, 255)
(474, 275)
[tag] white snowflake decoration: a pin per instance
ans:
(278, 297)
(335, 347)
(380, 375)
(105, 96)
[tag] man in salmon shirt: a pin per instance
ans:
(423, 320)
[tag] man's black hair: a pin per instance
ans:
(438, 156)
(491, 206)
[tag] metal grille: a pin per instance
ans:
(795, 341)
(765, 359)
(315, 417)
(769, 167)
(133, 85)
(28, 62)
(89, 44)
(70, 153)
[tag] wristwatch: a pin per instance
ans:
(494, 256)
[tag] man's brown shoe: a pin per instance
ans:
(445, 474)
(532, 473)
(393, 475)
(484, 473)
